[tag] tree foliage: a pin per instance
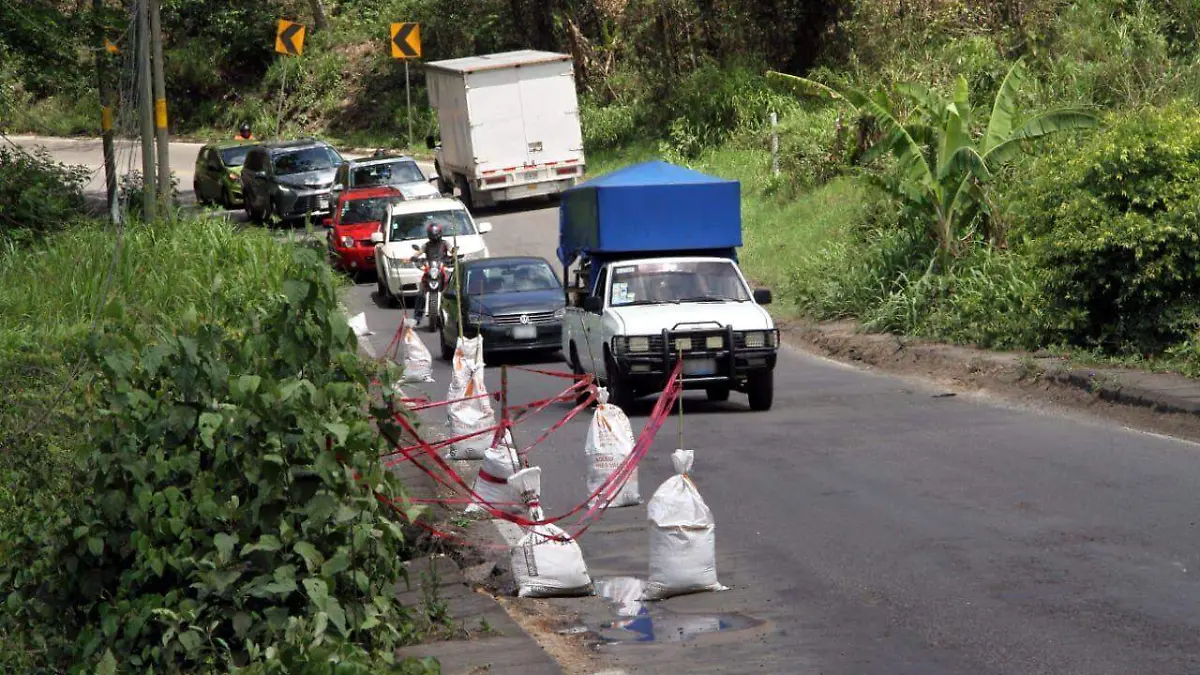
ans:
(238, 515)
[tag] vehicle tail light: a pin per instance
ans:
(566, 170)
(495, 180)
(233, 176)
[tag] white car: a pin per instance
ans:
(404, 225)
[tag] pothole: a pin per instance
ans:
(643, 622)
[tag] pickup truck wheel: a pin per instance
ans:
(760, 389)
(381, 288)
(718, 393)
(619, 392)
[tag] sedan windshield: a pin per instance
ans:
(674, 282)
(391, 173)
(308, 159)
(412, 225)
(511, 277)
(235, 156)
(371, 210)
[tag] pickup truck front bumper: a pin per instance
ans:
(711, 357)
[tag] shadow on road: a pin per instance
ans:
(519, 206)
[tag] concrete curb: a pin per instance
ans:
(845, 342)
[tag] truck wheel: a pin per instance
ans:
(760, 389)
(718, 392)
(619, 392)
(464, 189)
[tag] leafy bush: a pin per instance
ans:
(238, 516)
(711, 105)
(1115, 225)
(609, 126)
(132, 190)
(37, 194)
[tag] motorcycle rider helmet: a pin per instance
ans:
(434, 232)
(245, 130)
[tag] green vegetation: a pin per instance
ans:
(190, 482)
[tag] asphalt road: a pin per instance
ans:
(880, 528)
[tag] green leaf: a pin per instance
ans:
(110, 623)
(268, 543)
(804, 87)
(209, 423)
(1004, 107)
(320, 623)
(225, 544)
(96, 546)
(312, 557)
(108, 664)
(191, 641)
(339, 430)
(337, 616)
(296, 290)
(338, 563)
(242, 621)
(281, 587)
(317, 591)
(246, 385)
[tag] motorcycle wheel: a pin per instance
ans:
(433, 311)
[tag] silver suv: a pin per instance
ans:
(289, 180)
(400, 172)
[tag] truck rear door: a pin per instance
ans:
(497, 125)
(551, 115)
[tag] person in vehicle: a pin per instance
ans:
(244, 133)
(435, 248)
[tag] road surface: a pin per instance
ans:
(878, 527)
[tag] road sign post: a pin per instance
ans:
(406, 44)
(289, 41)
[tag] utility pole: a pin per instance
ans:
(106, 113)
(160, 110)
(145, 107)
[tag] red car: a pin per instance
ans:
(359, 213)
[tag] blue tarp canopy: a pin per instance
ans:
(653, 207)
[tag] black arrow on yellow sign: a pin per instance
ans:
(289, 38)
(406, 40)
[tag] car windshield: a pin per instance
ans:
(391, 173)
(511, 277)
(235, 156)
(673, 282)
(364, 210)
(303, 161)
(412, 225)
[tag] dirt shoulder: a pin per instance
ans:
(1158, 402)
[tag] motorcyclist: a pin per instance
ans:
(244, 133)
(435, 248)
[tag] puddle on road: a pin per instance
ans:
(640, 621)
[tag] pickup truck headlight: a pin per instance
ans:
(755, 340)
(773, 338)
(639, 344)
(683, 344)
(714, 342)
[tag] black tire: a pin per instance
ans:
(227, 199)
(433, 311)
(199, 195)
(465, 195)
(718, 393)
(760, 388)
(619, 393)
(447, 350)
(576, 368)
(382, 291)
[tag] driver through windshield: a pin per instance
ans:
(390, 173)
(675, 282)
(303, 161)
(413, 225)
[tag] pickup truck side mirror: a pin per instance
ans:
(376, 237)
(593, 304)
(485, 227)
(429, 142)
(762, 296)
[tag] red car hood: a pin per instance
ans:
(360, 231)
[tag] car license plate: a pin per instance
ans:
(524, 332)
(699, 367)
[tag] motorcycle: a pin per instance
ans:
(434, 276)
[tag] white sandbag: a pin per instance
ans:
(468, 357)
(683, 545)
(546, 561)
(609, 442)
(358, 323)
(491, 484)
(470, 417)
(418, 362)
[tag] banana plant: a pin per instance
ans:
(942, 168)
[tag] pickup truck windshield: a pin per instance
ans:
(412, 225)
(653, 283)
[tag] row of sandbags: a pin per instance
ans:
(547, 561)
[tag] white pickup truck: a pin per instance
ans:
(641, 315)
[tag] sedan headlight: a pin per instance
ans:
(347, 242)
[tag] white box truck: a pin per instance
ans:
(509, 126)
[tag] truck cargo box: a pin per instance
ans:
(648, 209)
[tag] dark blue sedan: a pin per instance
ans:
(515, 302)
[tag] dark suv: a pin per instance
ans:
(289, 180)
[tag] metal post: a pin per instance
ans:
(282, 88)
(774, 144)
(160, 110)
(408, 99)
(106, 117)
(145, 107)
